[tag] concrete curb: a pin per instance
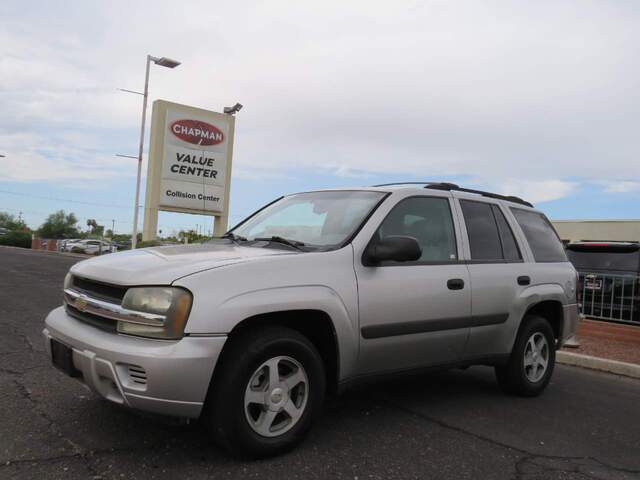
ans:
(597, 363)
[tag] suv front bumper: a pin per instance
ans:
(166, 377)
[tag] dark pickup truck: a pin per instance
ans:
(609, 287)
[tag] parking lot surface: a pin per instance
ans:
(450, 425)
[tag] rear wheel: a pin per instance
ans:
(532, 360)
(268, 390)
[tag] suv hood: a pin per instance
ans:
(164, 265)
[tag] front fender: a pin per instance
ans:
(234, 310)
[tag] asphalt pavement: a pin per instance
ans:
(450, 425)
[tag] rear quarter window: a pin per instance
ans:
(542, 238)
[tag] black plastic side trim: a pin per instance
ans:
(490, 360)
(424, 326)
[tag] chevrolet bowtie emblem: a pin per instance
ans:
(81, 303)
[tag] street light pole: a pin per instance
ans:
(164, 62)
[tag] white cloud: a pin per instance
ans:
(536, 191)
(621, 186)
(40, 159)
(500, 92)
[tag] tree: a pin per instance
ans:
(10, 222)
(59, 225)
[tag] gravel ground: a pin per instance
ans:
(609, 340)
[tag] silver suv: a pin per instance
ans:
(312, 293)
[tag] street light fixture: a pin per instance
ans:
(163, 62)
(166, 62)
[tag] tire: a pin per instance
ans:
(524, 374)
(249, 429)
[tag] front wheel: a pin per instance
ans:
(532, 360)
(268, 390)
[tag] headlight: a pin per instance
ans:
(68, 283)
(169, 307)
(68, 280)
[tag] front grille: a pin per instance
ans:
(101, 291)
(97, 321)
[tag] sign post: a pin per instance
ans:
(189, 168)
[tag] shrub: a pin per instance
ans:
(149, 243)
(16, 238)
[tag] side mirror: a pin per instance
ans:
(396, 248)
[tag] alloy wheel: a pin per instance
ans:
(276, 396)
(536, 357)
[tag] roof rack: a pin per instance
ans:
(452, 186)
(401, 183)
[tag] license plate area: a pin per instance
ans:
(593, 284)
(62, 358)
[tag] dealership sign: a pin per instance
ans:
(189, 162)
(197, 132)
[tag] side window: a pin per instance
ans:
(542, 238)
(429, 221)
(484, 239)
(509, 245)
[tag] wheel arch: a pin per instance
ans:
(547, 301)
(316, 325)
(552, 311)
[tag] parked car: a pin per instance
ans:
(91, 247)
(313, 293)
(66, 244)
(609, 279)
(3, 231)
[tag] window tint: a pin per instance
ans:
(484, 239)
(603, 260)
(509, 246)
(542, 238)
(429, 221)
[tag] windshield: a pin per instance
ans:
(321, 220)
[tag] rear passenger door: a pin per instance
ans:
(496, 272)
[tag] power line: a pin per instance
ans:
(58, 199)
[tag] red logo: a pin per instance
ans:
(197, 132)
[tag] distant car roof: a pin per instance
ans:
(620, 247)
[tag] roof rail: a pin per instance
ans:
(453, 186)
(401, 183)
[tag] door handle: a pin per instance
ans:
(455, 284)
(524, 280)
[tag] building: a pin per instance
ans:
(598, 230)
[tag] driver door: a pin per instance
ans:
(415, 314)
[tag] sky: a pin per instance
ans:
(535, 99)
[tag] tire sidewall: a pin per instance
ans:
(234, 422)
(532, 325)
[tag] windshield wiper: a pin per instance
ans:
(285, 241)
(234, 238)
